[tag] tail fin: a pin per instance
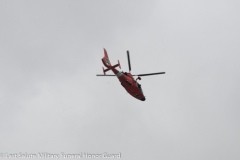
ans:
(106, 60)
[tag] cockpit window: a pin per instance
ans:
(128, 83)
(139, 86)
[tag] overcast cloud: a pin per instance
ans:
(51, 101)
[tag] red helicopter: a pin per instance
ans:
(127, 81)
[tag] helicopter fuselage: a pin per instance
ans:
(130, 84)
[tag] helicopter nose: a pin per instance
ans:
(143, 99)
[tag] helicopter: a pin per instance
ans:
(126, 78)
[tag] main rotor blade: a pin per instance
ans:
(149, 74)
(105, 75)
(129, 64)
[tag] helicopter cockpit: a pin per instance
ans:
(139, 86)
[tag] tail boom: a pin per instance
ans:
(107, 63)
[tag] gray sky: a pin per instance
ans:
(51, 101)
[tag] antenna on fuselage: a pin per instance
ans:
(129, 63)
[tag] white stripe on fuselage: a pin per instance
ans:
(119, 74)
